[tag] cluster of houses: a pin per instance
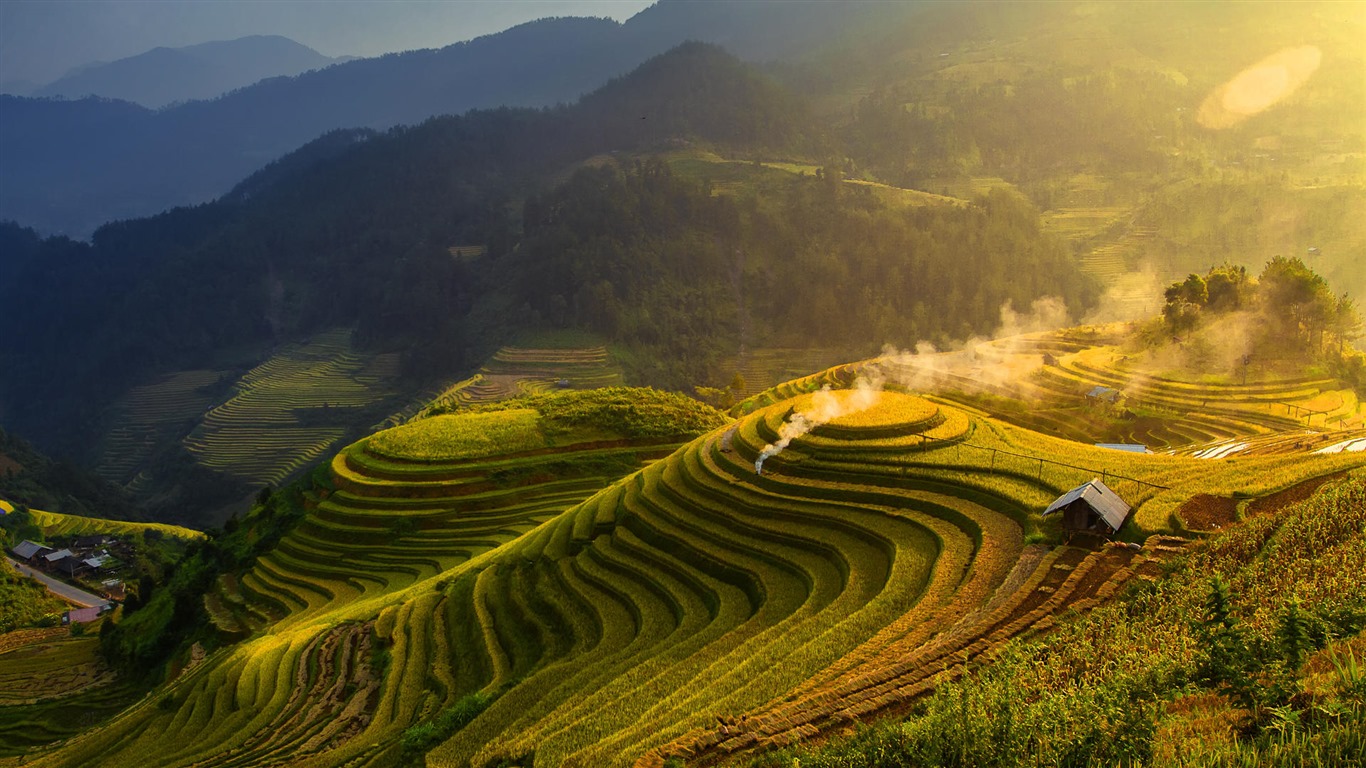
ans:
(87, 557)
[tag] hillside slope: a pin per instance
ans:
(848, 571)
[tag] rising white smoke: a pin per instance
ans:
(998, 360)
(826, 406)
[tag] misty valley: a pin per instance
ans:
(746, 384)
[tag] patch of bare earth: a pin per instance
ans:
(1203, 512)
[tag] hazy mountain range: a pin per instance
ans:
(164, 76)
(73, 165)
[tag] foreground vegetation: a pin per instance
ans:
(24, 602)
(1246, 651)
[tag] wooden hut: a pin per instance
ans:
(1091, 508)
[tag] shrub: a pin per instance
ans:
(419, 739)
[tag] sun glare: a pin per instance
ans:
(1260, 86)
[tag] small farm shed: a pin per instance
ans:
(97, 562)
(1128, 447)
(1091, 508)
(1100, 394)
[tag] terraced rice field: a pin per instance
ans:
(1133, 285)
(149, 415)
(1083, 223)
(257, 434)
(693, 609)
(515, 371)
(1204, 412)
(1292, 442)
(58, 524)
(1049, 376)
(52, 685)
(766, 368)
(415, 501)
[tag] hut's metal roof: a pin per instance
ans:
(1130, 447)
(1111, 508)
(26, 549)
(79, 615)
(1104, 393)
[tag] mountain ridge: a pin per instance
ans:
(195, 152)
(163, 75)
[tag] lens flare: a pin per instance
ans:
(1260, 86)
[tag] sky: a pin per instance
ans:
(40, 40)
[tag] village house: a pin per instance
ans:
(49, 561)
(30, 552)
(90, 541)
(83, 615)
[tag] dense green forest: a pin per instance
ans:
(35, 480)
(656, 264)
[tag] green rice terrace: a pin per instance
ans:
(1087, 385)
(285, 412)
(514, 371)
(478, 589)
(52, 686)
(259, 427)
(414, 501)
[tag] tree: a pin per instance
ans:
(1227, 288)
(1185, 300)
(1346, 322)
(1295, 297)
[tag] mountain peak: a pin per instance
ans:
(165, 75)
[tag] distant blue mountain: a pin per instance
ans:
(164, 76)
(70, 166)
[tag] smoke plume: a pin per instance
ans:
(826, 406)
(1005, 357)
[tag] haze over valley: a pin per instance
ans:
(719, 383)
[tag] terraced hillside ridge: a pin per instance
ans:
(816, 606)
(150, 415)
(514, 371)
(763, 369)
(291, 409)
(867, 555)
(415, 501)
(52, 686)
(58, 524)
(1043, 381)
